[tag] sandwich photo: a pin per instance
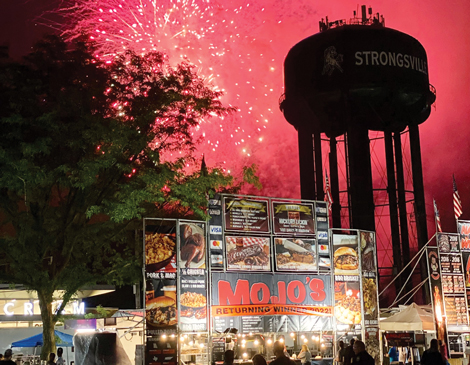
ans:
(161, 311)
(345, 258)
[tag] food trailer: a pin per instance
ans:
(260, 270)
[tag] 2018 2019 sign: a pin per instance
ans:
(237, 294)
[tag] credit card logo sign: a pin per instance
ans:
(323, 235)
(215, 229)
(214, 211)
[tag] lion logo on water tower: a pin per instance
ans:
(332, 60)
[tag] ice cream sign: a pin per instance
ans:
(13, 307)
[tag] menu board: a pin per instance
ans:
(257, 236)
(246, 215)
(456, 310)
(248, 253)
(452, 279)
(451, 263)
(294, 254)
(290, 218)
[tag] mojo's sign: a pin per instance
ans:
(235, 294)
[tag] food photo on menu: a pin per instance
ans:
(347, 302)
(160, 250)
(160, 304)
(248, 253)
(295, 254)
(192, 246)
(368, 251)
(345, 256)
(193, 314)
(369, 295)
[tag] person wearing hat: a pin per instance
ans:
(7, 358)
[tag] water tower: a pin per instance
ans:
(354, 78)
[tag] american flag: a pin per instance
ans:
(457, 201)
(437, 217)
(329, 198)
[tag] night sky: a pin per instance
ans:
(240, 47)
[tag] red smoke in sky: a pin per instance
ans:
(240, 47)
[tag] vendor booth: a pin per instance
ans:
(410, 330)
(62, 340)
(411, 318)
(261, 270)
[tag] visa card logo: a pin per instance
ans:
(215, 229)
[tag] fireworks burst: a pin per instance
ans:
(224, 40)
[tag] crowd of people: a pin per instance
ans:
(6, 359)
(353, 354)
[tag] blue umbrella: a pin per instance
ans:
(61, 339)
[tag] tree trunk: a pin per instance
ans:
(48, 323)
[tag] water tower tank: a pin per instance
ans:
(371, 76)
(353, 77)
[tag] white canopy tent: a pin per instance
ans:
(412, 318)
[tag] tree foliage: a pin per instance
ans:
(86, 151)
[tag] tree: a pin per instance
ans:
(85, 153)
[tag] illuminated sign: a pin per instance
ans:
(28, 308)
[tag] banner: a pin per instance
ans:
(464, 235)
(271, 303)
(246, 215)
(436, 290)
(289, 218)
(160, 274)
(346, 275)
(192, 253)
(370, 302)
(161, 350)
(192, 301)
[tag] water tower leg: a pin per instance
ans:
(420, 207)
(307, 177)
(334, 183)
(392, 204)
(360, 183)
(404, 234)
(318, 165)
